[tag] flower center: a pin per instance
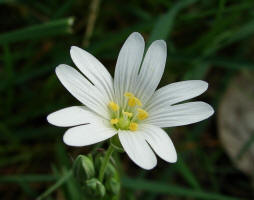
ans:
(127, 118)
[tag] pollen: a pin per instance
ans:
(114, 121)
(133, 126)
(138, 102)
(132, 100)
(113, 106)
(128, 114)
(142, 114)
(128, 94)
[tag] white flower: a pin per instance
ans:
(129, 105)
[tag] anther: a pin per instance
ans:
(113, 106)
(128, 94)
(128, 114)
(132, 100)
(142, 114)
(114, 121)
(133, 126)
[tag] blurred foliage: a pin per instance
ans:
(209, 40)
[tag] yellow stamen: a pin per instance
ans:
(133, 126)
(128, 94)
(138, 102)
(128, 114)
(113, 106)
(132, 101)
(114, 121)
(142, 114)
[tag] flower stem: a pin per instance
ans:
(62, 180)
(105, 162)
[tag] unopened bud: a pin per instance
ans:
(113, 185)
(95, 187)
(83, 168)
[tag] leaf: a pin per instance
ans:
(164, 24)
(164, 188)
(52, 28)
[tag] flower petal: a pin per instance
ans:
(137, 149)
(93, 70)
(82, 89)
(160, 142)
(182, 114)
(127, 65)
(175, 93)
(72, 116)
(151, 70)
(87, 134)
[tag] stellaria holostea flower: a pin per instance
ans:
(129, 105)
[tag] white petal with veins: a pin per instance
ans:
(127, 66)
(87, 134)
(94, 71)
(72, 116)
(174, 93)
(137, 149)
(151, 70)
(82, 89)
(182, 114)
(160, 142)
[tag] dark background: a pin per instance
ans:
(207, 40)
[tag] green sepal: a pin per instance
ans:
(113, 185)
(83, 168)
(116, 144)
(95, 188)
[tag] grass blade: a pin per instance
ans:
(52, 28)
(163, 188)
(164, 24)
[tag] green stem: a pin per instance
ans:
(61, 181)
(105, 162)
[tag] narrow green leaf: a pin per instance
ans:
(27, 178)
(163, 188)
(52, 28)
(60, 182)
(187, 174)
(164, 24)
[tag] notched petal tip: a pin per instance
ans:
(54, 120)
(49, 118)
(173, 159)
(209, 109)
(148, 168)
(71, 140)
(160, 44)
(136, 37)
(202, 84)
(67, 138)
(61, 67)
(73, 49)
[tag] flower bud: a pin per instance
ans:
(83, 168)
(95, 187)
(113, 185)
